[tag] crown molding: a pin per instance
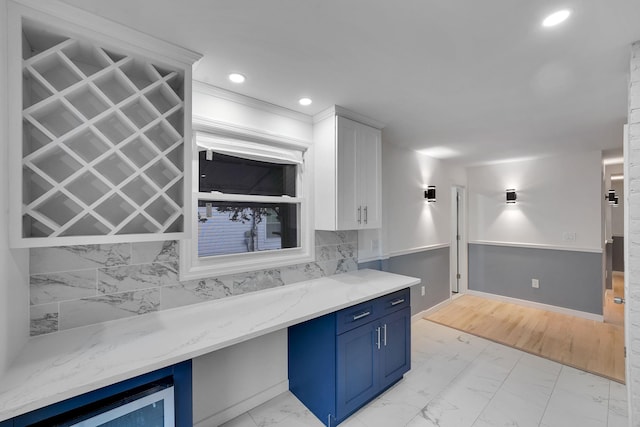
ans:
(109, 30)
(337, 110)
(232, 130)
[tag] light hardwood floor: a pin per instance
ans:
(589, 345)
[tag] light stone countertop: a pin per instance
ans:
(57, 366)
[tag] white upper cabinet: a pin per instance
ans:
(347, 171)
(100, 130)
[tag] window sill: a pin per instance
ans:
(224, 265)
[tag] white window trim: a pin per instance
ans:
(192, 267)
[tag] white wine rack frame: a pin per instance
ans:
(103, 141)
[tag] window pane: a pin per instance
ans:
(232, 228)
(233, 175)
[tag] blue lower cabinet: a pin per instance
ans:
(395, 357)
(341, 361)
(144, 400)
(358, 377)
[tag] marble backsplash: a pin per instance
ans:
(75, 286)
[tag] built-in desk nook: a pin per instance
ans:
(55, 367)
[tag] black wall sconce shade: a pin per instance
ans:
(511, 196)
(611, 198)
(430, 193)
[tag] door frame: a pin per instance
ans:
(460, 261)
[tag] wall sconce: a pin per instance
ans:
(430, 193)
(511, 196)
(611, 198)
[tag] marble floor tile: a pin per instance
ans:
(523, 397)
(618, 416)
(467, 395)
(276, 410)
(284, 411)
(383, 412)
(243, 420)
(579, 398)
(461, 380)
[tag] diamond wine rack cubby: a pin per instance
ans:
(103, 142)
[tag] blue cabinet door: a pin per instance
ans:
(358, 375)
(395, 354)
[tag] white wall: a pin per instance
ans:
(610, 212)
(14, 288)
(617, 212)
(411, 222)
(231, 381)
(555, 195)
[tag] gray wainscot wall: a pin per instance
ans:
(569, 279)
(75, 286)
(431, 266)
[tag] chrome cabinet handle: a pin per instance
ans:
(359, 214)
(366, 216)
(385, 334)
(398, 301)
(361, 315)
(378, 341)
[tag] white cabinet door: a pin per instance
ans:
(349, 206)
(347, 174)
(369, 177)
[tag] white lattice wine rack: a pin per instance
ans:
(103, 140)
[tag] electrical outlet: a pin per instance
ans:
(535, 283)
(375, 245)
(569, 236)
(423, 291)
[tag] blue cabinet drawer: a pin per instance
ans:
(357, 315)
(392, 302)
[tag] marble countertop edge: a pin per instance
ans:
(58, 366)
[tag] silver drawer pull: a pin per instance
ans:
(361, 315)
(396, 302)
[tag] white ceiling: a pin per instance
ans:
(477, 80)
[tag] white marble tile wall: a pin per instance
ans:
(80, 285)
(633, 227)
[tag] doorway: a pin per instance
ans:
(458, 247)
(613, 309)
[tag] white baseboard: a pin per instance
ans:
(541, 306)
(430, 310)
(244, 406)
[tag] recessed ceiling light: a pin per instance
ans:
(305, 101)
(556, 18)
(237, 78)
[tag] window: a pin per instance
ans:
(250, 209)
